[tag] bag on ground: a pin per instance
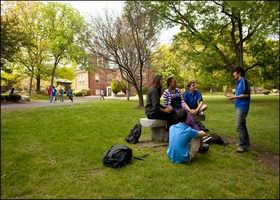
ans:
(134, 134)
(119, 155)
(216, 139)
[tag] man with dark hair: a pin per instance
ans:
(193, 99)
(242, 104)
(184, 142)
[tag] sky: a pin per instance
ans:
(87, 8)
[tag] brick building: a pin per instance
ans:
(102, 79)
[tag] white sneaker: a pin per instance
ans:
(201, 113)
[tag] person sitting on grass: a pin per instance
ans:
(173, 97)
(193, 99)
(184, 142)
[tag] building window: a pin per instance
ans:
(109, 78)
(97, 78)
(97, 92)
(81, 78)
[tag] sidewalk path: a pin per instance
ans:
(46, 103)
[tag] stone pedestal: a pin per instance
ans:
(158, 129)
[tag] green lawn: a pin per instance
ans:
(57, 152)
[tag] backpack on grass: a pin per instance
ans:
(119, 155)
(134, 134)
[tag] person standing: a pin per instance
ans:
(70, 94)
(242, 104)
(53, 95)
(61, 94)
(50, 92)
(102, 94)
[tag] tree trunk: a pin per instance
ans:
(30, 84)
(141, 99)
(38, 83)
(53, 72)
(128, 91)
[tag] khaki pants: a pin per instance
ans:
(194, 147)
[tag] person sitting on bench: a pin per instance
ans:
(153, 108)
(193, 100)
(172, 96)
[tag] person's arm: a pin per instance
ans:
(245, 92)
(242, 96)
(202, 134)
(166, 98)
(200, 104)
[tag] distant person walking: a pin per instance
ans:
(53, 95)
(70, 94)
(50, 92)
(61, 94)
(102, 94)
(242, 104)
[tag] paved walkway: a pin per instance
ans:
(46, 103)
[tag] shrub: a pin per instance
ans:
(116, 86)
(85, 92)
(2, 97)
(15, 97)
(82, 92)
(266, 92)
(78, 93)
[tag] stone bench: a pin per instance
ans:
(158, 129)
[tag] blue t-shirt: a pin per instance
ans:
(242, 87)
(192, 99)
(180, 136)
(53, 92)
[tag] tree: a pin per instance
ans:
(64, 26)
(127, 42)
(33, 54)
(221, 31)
(12, 36)
(167, 64)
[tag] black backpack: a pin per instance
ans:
(118, 155)
(134, 134)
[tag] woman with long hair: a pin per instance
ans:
(153, 108)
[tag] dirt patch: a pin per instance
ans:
(265, 158)
(149, 143)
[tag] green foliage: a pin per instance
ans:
(116, 86)
(3, 97)
(83, 92)
(11, 97)
(15, 97)
(166, 63)
(66, 159)
(12, 35)
(220, 35)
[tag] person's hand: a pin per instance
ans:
(230, 97)
(193, 111)
(169, 109)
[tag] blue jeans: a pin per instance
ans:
(244, 141)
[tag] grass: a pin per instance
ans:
(35, 96)
(57, 152)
